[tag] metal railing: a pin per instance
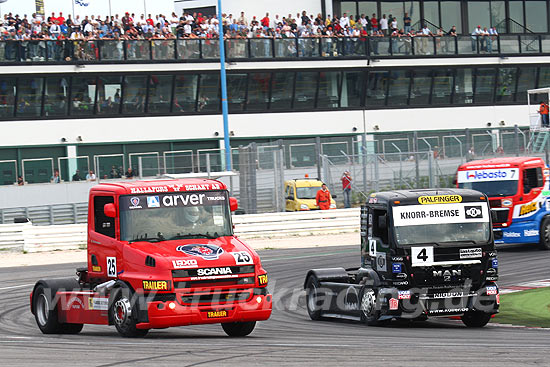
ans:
(199, 50)
(47, 214)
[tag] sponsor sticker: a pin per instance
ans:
(262, 279)
(216, 314)
(494, 263)
(507, 202)
(153, 202)
(381, 262)
(500, 174)
(448, 295)
(242, 258)
(473, 212)
(134, 203)
(184, 263)
(440, 199)
(528, 208)
(214, 271)
(96, 269)
(530, 232)
(511, 234)
(98, 303)
(206, 251)
(394, 304)
(492, 291)
(396, 268)
(173, 199)
(470, 253)
(404, 295)
(413, 215)
(156, 285)
(111, 267)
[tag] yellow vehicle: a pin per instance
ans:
(300, 194)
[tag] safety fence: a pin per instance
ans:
(29, 238)
(47, 214)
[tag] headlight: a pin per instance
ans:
(333, 206)
(304, 207)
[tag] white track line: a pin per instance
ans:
(16, 286)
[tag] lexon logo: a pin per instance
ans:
(214, 271)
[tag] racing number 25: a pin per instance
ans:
(422, 255)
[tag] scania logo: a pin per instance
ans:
(207, 251)
(214, 271)
(134, 201)
(446, 274)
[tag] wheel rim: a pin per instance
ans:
(368, 303)
(547, 233)
(42, 309)
(312, 299)
(122, 311)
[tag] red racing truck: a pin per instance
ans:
(160, 254)
(519, 195)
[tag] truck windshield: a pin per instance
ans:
(492, 188)
(178, 215)
(442, 223)
(307, 192)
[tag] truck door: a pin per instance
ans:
(289, 198)
(377, 240)
(103, 260)
(533, 182)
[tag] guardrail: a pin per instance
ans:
(44, 215)
(29, 238)
(197, 50)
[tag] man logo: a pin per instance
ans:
(473, 212)
(153, 202)
(134, 201)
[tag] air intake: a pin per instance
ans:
(150, 261)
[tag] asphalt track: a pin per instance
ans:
(288, 338)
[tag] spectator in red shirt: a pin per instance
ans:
(265, 21)
(60, 19)
(346, 186)
(374, 23)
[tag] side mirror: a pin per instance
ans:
(454, 181)
(109, 210)
(233, 204)
(382, 222)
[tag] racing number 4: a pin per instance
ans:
(422, 255)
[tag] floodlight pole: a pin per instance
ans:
(223, 83)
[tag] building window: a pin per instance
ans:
(56, 96)
(109, 95)
(185, 93)
(506, 84)
(160, 93)
(258, 91)
(133, 94)
(7, 97)
(377, 86)
(82, 96)
(29, 97)
(536, 16)
(420, 88)
(485, 85)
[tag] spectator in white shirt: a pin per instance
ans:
(475, 34)
(344, 21)
(384, 25)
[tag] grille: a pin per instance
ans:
(424, 277)
(215, 282)
(501, 215)
(222, 297)
(185, 273)
(495, 203)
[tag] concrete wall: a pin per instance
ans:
(44, 194)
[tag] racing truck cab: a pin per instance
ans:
(160, 254)
(423, 253)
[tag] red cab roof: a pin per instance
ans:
(160, 186)
(501, 162)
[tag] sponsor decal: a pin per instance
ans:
(262, 279)
(351, 299)
(381, 262)
(440, 199)
(545, 193)
(372, 248)
(528, 208)
(447, 275)
(404, 282)
(506, 202)
(96, 303)
(216, 314)
(492, 279)
(396, 268)
(394, 304)
(491, 271)
(492, 291)
(134, 203)
(494, 263)
(214, 271)
(396, 258)
(501, 174)
(153, 202)
(184, 263)
(148, 189)
(511, 234)
(156, 285)
(470, 253)
(75, 303)
(401, 276)
(242, 258)
(111, 267)
(448, 295)
(448, 310)
(96, 269)
(530, 232)
(473, 212)
(207, 251)
(404, 295)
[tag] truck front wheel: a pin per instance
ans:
(544, 243)
(238, 329)
(313, 298)
(368, 307)
(45, 313)
(476, 319)
(123, 313)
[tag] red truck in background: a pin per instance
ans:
(519, 195)
(160, 254)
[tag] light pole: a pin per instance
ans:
(223, 82)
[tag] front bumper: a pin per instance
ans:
(519, 232)
(161, 315)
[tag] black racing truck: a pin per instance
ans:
(423, 253)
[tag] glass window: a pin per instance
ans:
(451, 15)
(55, 97)
(368, 8)
(398, 93)
(160, 93)
(420, 88)
(431, 13)
(526, 80)
(185, 94)
(281, 90)
(485, 85)
(393, 9)
(209, 93)
(506, 84)
(7, 96)
(349, 7)
(544, 77)
(413, 8)
(236, 91)
(478, 14)
(443, 86)
(498, 14)
(329, 84)
(29, 96)
(536, 16)
(516, 16)
(82, 96)
(258, 91)
(306, 85)
(352, 88)
(109, 95)
(377, 86)
(464, 87)
(133, 94)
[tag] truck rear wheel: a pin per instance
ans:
(475, 318)
(313, 296)
(123, 313)
(45, 314)
(544, 242)
(368, 307)
(238, 329)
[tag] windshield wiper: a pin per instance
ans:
(195, 235)
(159, 238)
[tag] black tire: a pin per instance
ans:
(313, 295)
(45, 313)
(238, 329)
(368, 307)
(544, 242)
(476, 319)
(122, 312)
